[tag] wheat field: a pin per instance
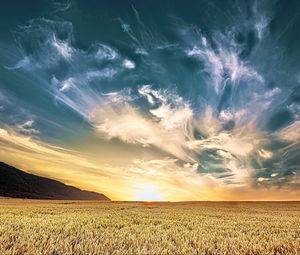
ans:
(74, 227)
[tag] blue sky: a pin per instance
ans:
(173, 100)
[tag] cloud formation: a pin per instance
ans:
(210, 113)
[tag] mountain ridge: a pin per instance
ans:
(17, 183)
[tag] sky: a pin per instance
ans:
(154, 100)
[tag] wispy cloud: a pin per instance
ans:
(27, 128)
(291, 133)
(167, 128)
(206, 116)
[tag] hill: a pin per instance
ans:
(19, 184)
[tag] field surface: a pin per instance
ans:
(71, 227)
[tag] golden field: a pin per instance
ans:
(76, 227)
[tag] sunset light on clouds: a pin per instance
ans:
(145, 108)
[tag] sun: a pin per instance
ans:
(148, 192)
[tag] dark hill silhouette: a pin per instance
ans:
(19, 184)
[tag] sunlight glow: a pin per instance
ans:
(148, 192)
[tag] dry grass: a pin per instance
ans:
(64, 227)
